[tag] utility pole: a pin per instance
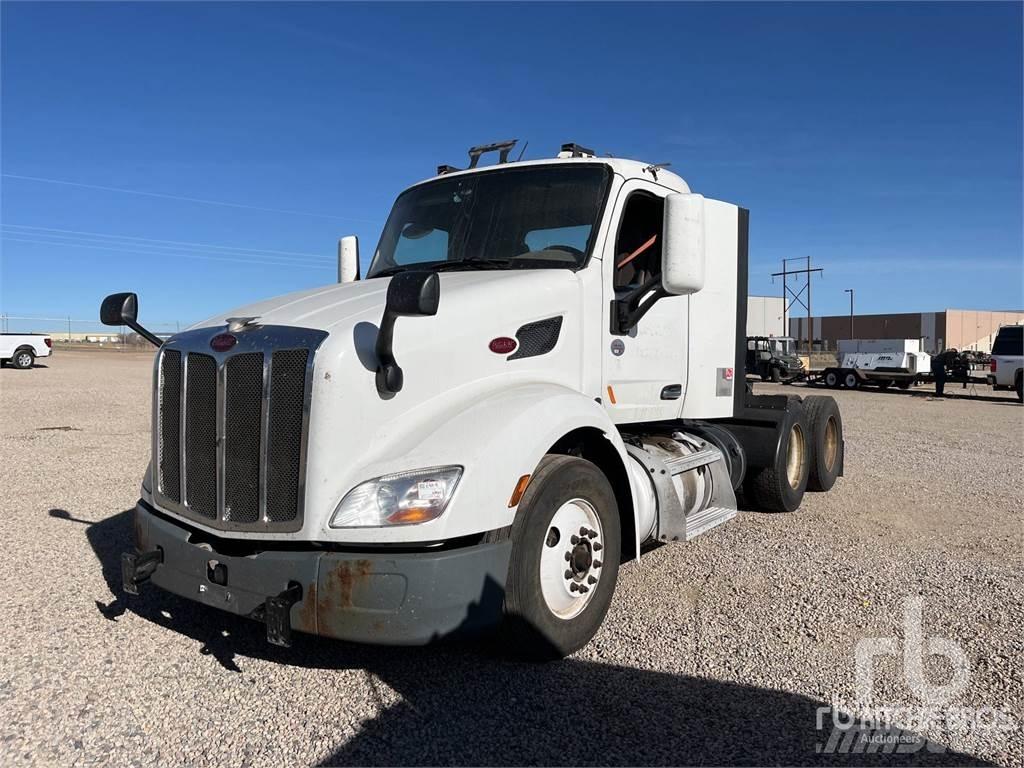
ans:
(850, 291)
(797, 295)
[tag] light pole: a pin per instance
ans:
(850, 291)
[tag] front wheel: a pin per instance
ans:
(565, 559)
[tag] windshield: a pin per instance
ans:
(782, 346)
(533, 218)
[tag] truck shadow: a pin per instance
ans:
(461, 703)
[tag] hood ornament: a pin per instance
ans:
(236, 324)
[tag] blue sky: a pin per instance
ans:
(884, 140)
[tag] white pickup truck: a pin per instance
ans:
(540, 376)
(22, 349)
(1006, 371)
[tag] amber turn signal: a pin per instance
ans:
(520, 489)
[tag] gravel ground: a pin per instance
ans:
(719, 651)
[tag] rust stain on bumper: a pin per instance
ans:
(340, 583)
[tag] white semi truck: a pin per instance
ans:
(540, 375)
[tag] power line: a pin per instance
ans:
(109, 248)
(181, 197)
(158, 240)
(153, 250)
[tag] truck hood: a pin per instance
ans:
(357, 433)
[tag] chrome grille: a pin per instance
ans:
(231, 428)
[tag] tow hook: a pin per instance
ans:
(277, 615)
(136, 568)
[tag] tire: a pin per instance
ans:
(776, 375)
(776, 488)
(1020, 388)
(850, 380)
(826, 424)
(545, 616)
(832, 379)
(885, 384)
(904, 384)
(23, 359)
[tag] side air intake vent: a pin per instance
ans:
(537, 338)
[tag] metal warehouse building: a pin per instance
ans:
(952, 328)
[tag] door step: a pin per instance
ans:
(692, 461)
(699, 522)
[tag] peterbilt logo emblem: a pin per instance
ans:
(222, 342)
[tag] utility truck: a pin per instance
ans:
(540, 376)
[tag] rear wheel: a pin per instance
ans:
(565, 559)
(885, 384)
(826, 425)
(1020, 387)
(850, 380)
(831, 379)
(780, 487)
(23, 359)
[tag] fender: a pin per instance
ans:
(497, 439)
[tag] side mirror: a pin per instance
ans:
(348, 259)
(123, 309)
(119, 309)
(682, 260)
(410, 294)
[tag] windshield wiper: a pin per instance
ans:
(477, 263)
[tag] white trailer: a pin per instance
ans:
(878, 362)
(540, 373)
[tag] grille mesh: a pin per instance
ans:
(284, 445)
(242, 426)
(170, 420)
(201, 435)
(537, 338)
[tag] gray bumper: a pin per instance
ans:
(400, 598)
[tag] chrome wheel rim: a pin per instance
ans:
(795, 456)
(570, 560)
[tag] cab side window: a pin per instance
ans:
(638, 245)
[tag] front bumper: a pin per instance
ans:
(391, 598)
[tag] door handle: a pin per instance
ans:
(672, 392)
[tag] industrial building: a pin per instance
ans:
(960, 329)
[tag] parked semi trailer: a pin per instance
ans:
(540, 375)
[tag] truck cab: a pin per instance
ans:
(540, 372)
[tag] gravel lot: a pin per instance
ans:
(719, 651)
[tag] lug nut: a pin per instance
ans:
(573, 587)
(593, 533)
(574, 539)
(568, 574)
(583, 530)
(598, 546)
(568, 556)
(597, 563)
(584, 589)
(591, 580)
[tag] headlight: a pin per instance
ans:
(400, 499)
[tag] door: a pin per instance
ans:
(645, 368)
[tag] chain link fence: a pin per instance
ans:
(69, 332)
